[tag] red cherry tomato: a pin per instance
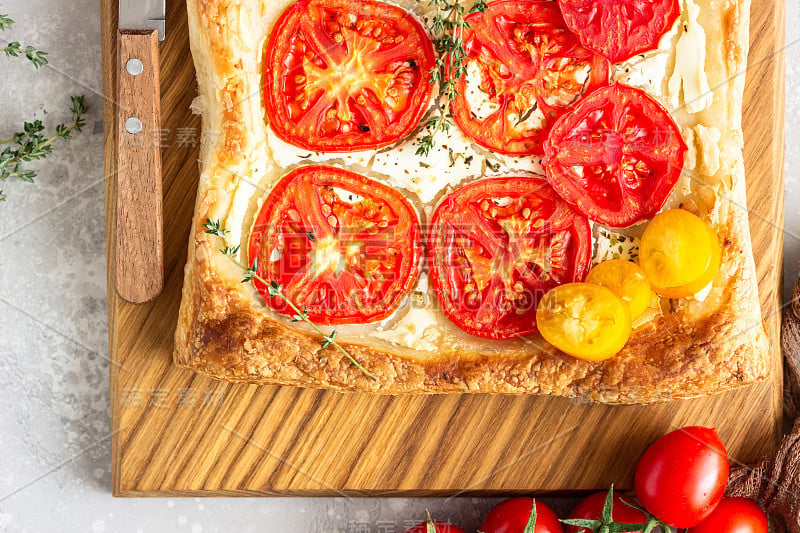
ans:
(591, 508)
(512, 515)
(441, 527)
(734, 515)
(620, 29)
(343, 75)
(682, 476)
(615, 156)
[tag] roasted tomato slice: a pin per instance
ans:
(523, 69)
(584, 320)
(497, 246)
(345, 247)
(620, 29)
(626, 280)
(679, 253)
(615, 156)
(343, 75)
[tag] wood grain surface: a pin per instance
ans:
(178, 433)
(138, 235)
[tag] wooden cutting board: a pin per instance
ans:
(178, 433)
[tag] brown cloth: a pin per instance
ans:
(775, 484)
(775, 481)
(790, 345)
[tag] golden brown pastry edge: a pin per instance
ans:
(698, 350)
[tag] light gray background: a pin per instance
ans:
(55, 453)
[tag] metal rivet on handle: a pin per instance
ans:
(133, 125)
(134, 67)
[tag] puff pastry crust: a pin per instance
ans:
(690, 348)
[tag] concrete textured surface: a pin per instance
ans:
(55, 452)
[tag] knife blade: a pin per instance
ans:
(143, 15)
(138, 232)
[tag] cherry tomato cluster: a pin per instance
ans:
(679, 256)
(680, 482)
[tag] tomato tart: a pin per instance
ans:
(514, 196)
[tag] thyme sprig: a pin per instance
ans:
(5, 22)
(275, 290)
(447, 26)
(32, 144)
(15, 49)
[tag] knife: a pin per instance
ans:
(138, 233)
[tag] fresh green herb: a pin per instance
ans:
(15, 49)
(213, 228)
(5, 22)
(32, 144)
(438, 122)
(299, 317)
(275, 290)
(447, 26)
(250, 273)
(495, 167)
(526, 114)
(230, 251)
(479, 5)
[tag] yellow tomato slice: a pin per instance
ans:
(584, 320)
(626, 280)
(679, 253)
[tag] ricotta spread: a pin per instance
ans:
(673, 74)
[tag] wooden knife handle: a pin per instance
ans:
(138, 241)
